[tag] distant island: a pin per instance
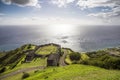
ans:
(53, 62)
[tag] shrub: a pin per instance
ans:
(29, 46)
(104, 61)
(46, 77)
(36, 71)
(2, 70)
(75, 56)
(25, 75)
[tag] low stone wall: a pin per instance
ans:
(47, 45)
(68, 49)
(31, 53)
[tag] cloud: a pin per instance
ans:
(1, 19)
(84, 4)
(23, 3)
(1, 14)
(43, 20)
(114, 13)
(108, 8)
(61, 3)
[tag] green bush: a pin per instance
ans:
(25, 75)
(29, 46)
(46, 77)
(36, 71)
(3, 70)
(105, 61)
(75, 56)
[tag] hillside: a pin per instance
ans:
(75, 72)
(40, 62)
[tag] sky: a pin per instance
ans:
(80, 12)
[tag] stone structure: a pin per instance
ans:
(53, 60)
(29, 56)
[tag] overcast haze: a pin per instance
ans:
(37, 12)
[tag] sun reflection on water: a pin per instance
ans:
(62, 29)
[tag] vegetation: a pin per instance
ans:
(102, 59)
(2, 54)
(68, 52)
(75, 72)
(13, 57)
(36, 62)
(16, 60)
(68, 60)
(25, 75)
(2, 69)
(19, 76)
(84, 57)
(45, 50)
(29, 47)
(75, 56)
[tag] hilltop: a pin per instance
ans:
(52, 62)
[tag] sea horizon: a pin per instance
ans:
(78, 38)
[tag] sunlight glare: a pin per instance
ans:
(62, 29)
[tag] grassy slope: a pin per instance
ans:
(34, 63)
(76, 72)
(18, 62)
(2, 54)
(83, 57)
(13, 57)
(103, 59)
(71, 72)
(47, 50)
(29, 47)
(19, 76)
(67, 59)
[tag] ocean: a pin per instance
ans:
(78, 38)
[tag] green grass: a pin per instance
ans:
(76, 72)
(102, 59)
(67, 50)
(45, 50)
(67, 60)
(84, 56)
(15, 77)
(34, 63)
(19, 76)
(2, 54)
(70, 72)
(14, 55)
(29, 47)
(22, 60)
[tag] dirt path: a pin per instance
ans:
(62, 59)
(61, 62)
(20, 71)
